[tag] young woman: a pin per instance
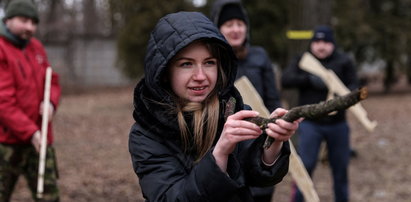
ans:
(190, 142)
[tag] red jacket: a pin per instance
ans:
(22, 76)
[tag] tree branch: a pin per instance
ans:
(313, 111)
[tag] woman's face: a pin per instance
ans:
(322, 49)
(235, 32)
(193, 73)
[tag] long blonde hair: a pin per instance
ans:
(205, 114)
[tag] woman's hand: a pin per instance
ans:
(281, 131)
(235, 130)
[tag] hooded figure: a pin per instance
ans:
(170, 168)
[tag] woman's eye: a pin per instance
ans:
(185, 64)
(211, 62)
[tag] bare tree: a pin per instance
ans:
(90, 19)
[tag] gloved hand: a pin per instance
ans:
(317, 82)
(36, 140)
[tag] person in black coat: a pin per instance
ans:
(189, 141)
(333, 129)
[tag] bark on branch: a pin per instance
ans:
(313, 111)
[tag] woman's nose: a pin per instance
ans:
(199, 73)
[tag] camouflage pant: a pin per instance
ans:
(23, 159)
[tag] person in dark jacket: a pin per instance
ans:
(253, 62)
(189, 141)
(23, 64)
(333, 129)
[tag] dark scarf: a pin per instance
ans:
(16, 40)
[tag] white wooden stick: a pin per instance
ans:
(44, 127)
(297, 169)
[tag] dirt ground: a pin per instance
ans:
(91, 135)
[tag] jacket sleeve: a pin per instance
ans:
(258, 174)
(11, 116)
(294, 77)
(271, 95)
(164, 177)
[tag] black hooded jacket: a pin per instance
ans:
(165, 171)
(256, 65)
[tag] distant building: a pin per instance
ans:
(87, 63)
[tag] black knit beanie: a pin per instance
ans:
(231, 11)
(24, 8)
(323, 33)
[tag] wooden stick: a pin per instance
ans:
(301, 176)
(297, 169)
(44, 127)
(313, 111)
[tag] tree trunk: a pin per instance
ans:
(90, 18)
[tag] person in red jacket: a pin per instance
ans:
(23, 63)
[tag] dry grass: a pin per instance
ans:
(92, 133)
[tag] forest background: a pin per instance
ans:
(377, 33)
